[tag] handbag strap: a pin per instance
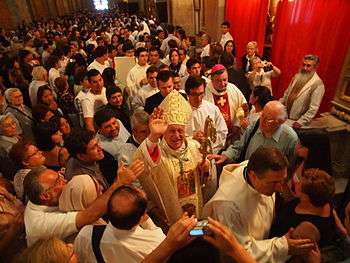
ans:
(97, 233)
(245, 146)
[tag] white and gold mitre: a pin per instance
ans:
(176, 109)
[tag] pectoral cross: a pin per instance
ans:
(221, 101)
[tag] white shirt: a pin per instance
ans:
(143, 93)
(129, 246)
(165, 48)
(262, 78)
(197, 122)
(205, 51)
(135, 75)
(63, 63)
(249, 215)
(253, 115)
(117, 146)
(91, 41)
(44, 221)
(33, 90)
(53, 74)
(88, 103)
(224, 38)
(97, 65)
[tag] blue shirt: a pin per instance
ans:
(284, 139)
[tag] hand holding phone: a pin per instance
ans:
(200, 229)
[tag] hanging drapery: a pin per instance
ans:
(248, 23)
(320, 27)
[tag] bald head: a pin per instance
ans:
(273, 116)
(276, 110)
(126, 207)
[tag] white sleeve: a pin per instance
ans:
(148, 224)
(83, 245)
(315, 101)
(137, 102)
(241, 100)
(263, 251)
(131, 83)
(87, 107)
(57, 224)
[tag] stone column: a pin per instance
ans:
(6, 18)
(182, 13)
(213, 14)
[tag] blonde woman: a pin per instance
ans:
(252, 50)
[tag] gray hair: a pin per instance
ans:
(139, 117)
(312, 57)
(207, 37)
(278, 106)
(4, 117)
(32, 187)
(8, 94)
(38, 72)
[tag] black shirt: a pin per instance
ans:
(287, 218)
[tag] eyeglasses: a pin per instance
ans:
(60, 179)
(33, 154)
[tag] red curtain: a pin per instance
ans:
(319, 27)
(248, 23)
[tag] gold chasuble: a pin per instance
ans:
(171, 177)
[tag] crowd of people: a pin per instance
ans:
(192, 159)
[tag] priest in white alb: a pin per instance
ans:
(201, 110)
(175, 171)
(245, 202)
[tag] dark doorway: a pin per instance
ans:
(162, 11)
(133, 8)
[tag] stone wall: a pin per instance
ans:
(208, 16)
(13, 12)
(182, 13)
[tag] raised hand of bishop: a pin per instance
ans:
(157, 125)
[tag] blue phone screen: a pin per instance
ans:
(196, 232)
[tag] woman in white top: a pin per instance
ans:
(53, 64)
(258, 77)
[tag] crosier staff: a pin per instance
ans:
(206, 147)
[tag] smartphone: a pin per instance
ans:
(200, 229)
